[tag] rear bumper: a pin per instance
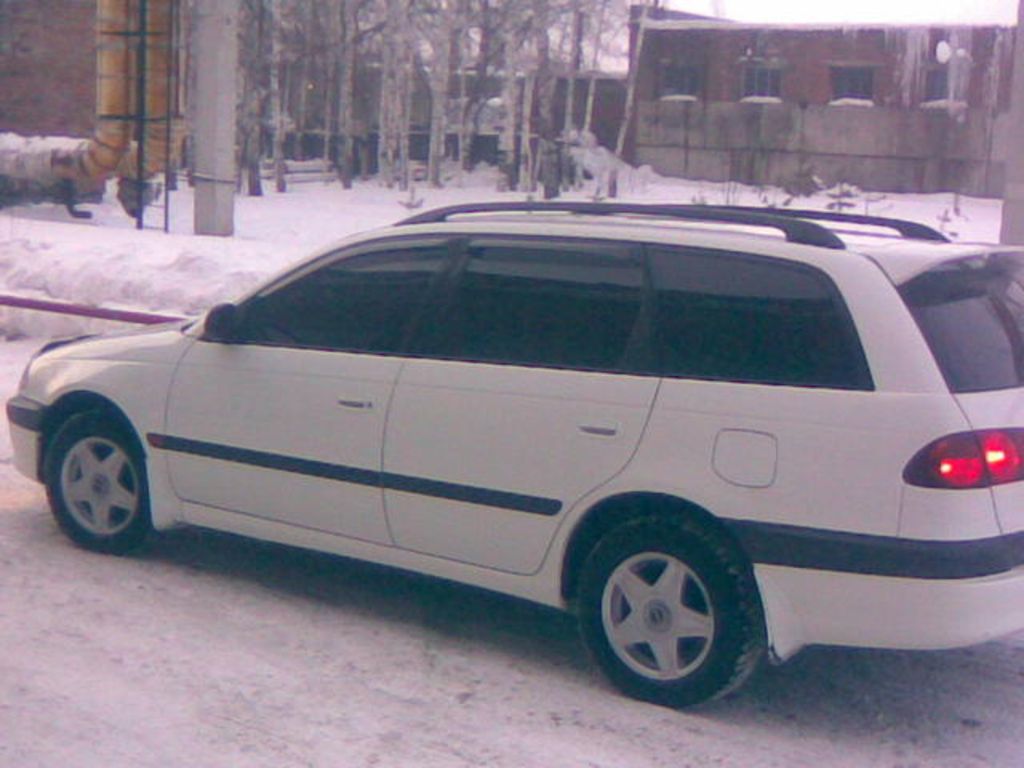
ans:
(841, 588)
(25, 420)
(807, 607)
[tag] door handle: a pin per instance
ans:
(600, 430)
(358, 405)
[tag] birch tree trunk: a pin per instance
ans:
(350, 33)
(588, 113)
(399, 46)
(332, 61)
(303, 78)
(438, 122)
(510, 100)
(477, 94)
(386, 107)
(576, 57)
(634, 61)
(276, 96)
(601, 12)
(545, 163)
(250, 107)
(527, 179)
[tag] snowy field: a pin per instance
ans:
(209, 650)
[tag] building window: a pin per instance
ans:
(936, 84)
(762, 81)
(680, 80)
(853, 83)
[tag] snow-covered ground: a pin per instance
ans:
(209, 650)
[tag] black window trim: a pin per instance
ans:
(639, 358)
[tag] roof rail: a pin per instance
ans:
(910, 230)
(795, 229)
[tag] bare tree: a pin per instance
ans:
(442, 26)
(348, 67)
(575, 64)
(252, 61)
(275, 93)
(635, 53)
(398, 47)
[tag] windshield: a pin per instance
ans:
(971, 313)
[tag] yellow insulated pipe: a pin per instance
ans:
(110, 150)
(65, 174)
(98, 159)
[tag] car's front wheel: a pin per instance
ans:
(671, 612)
(96, 483)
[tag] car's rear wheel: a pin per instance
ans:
(96, 482)
(671, 612)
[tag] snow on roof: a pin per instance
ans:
(745, 26)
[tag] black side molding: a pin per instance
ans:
(471, 494)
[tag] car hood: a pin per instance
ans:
(156, 344)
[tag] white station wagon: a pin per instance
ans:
(718, 434)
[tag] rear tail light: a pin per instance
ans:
(969, 460)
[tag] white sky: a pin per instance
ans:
(886, 11)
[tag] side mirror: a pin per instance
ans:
(222, 324)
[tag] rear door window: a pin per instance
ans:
(541, 302)
(971, 313)
(752, 319)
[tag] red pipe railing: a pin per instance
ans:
(82, 310)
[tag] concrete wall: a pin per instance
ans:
(47, 67)
(892, 150)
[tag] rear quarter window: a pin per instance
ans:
(751, 319)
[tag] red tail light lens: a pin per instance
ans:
(969, 460)
(1002, 456)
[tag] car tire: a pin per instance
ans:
(96, 482)
(671, 612)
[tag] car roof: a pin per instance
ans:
(901, 249)
(903, 260)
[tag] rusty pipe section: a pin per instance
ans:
(158, 99)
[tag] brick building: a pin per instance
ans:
(886, 108)
(47, 67)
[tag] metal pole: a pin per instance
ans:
(141, 116)
(172, 107)
(1012, 229)
(215, 98)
